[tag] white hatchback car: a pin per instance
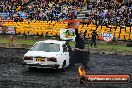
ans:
(47, 54)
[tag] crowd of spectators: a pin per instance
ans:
(107, 13)
(9, 8)
(40, 9)
(110, 13)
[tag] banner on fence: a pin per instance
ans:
(106, 36)
(7, 30)
(67, 34)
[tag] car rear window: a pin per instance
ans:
(47, 47)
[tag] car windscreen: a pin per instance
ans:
(47, 47)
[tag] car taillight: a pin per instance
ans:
(53, 59)
(28, 58)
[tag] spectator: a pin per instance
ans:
(38, 7)
(93, 40)
(105, 13)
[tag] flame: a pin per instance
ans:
(81, 71)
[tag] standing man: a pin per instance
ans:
(79, 40)
(76, 38)
(93, 40)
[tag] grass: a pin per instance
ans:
(31, 41)
(108, 47)
(18, 41)
(114, 47)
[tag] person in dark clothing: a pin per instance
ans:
(93, 40)
(79, 40)
(76, 38)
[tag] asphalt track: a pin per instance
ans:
(14, 75)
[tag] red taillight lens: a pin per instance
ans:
(53, 59)
(28, 58)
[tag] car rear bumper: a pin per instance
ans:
(41, 66)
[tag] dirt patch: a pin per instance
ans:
(14, 75)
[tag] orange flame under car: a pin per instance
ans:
(81, 71)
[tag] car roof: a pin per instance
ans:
(54, 41)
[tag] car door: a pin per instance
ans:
(66, 54)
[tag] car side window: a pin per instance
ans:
(65, 48)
